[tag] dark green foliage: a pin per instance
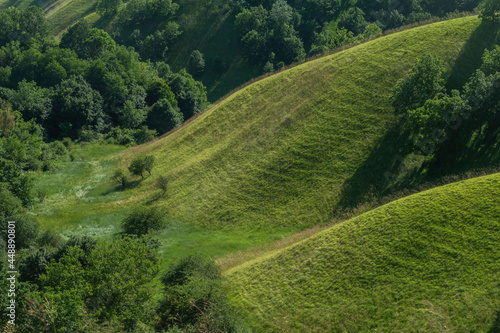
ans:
(164, 116)
(32, 101)
(141, 11)
(140, 164)
(27, 26)
(191, 95)
(423, 82)
(490, 10)
(436, 117)
(27, 230)
(88, 84)
(434, 124)
(159, 89)
(50, 239)
(121, 178)
(111, 284)
(86, 41)
(33, 265)
(149, 163)
(268, 67)
(143, 220)
(108, 7)
(76, 106)
(162, 183)
(196, 64)
(195, 299)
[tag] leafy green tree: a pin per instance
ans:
(121, 178)
(108, 7)
(155, 46)
(54, 73)
(137, 166)
(76, 106)
(253, 18)
(32, 101)
(195, 299)
(482, 94)
(491, 61)
(268, 67)
(111, 282)
(191, 95)
(149, 162)
(33, 265)
(423, 82)
(159, 89)
(436, 118)
(490, 10)
(281, 13)
(163, 116)
(143, 220)
(196, 64)
(86, 41)
(162, 183)
(140, 164)
(33, 24)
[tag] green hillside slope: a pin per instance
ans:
(288, 150)
(426, 263)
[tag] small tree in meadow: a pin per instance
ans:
(162, 183)
(143, 220)
(121, 178)
(149, 162)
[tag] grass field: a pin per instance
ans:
(83, 200)
(426, 263)
(289, 150)
(265, 162)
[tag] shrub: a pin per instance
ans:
(41, 194)
(140, 164)
(196, 63)
(195, 299)
(121, 178)
(143, 220)
(149, 162)
(58, 148)
(423, 82)
(162, 183)
(49, 238)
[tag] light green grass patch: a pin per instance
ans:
(429, 262)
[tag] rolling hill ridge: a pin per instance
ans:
(288, 150)
(428, 262)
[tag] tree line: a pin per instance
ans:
(88, 85)
(278, 32)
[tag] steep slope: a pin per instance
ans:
(286, 150)
(428, 263)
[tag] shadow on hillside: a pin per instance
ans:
(469, 60)
(371, 180)
(462, 154)
(496, 325)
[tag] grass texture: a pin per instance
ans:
(426, 263)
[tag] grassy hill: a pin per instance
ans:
(278, 156)
(426, 263)
(288, 150)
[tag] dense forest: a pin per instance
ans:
(117, 88)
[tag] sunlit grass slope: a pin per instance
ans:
(61, 14)
(278, 153)
(426, 263)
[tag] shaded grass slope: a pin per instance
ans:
(429, 262)
(280, 152)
